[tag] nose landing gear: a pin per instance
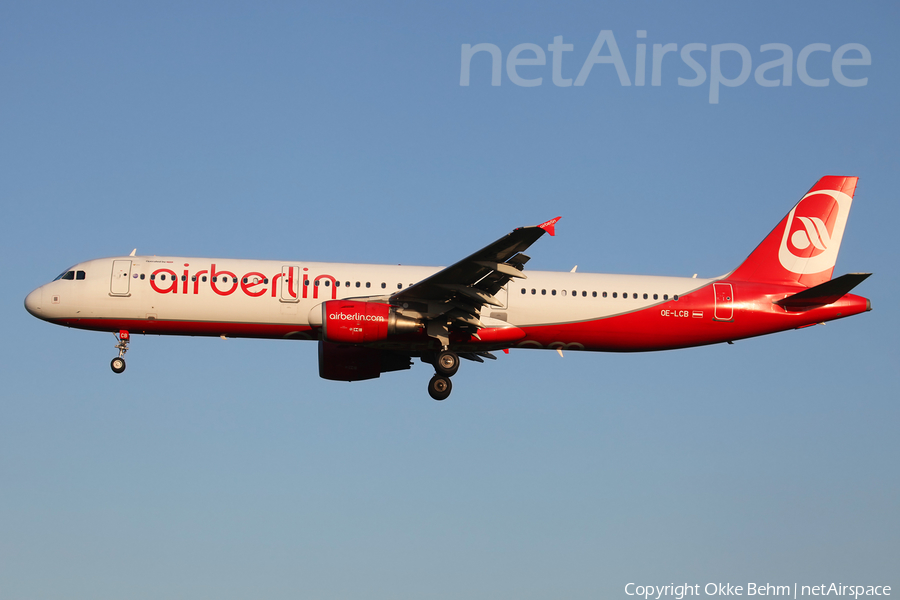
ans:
(118, 363)
(446, 364)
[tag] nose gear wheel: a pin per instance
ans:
(118, 363)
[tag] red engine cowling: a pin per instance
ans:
(355, 322)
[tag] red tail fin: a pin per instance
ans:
(804, 246)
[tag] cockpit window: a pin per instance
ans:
(69, 275)
(79, 275)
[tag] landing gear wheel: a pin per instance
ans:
(118, 363)
(446, 363)
(439, 387)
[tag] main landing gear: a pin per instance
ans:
(446, 364)
(118, 363)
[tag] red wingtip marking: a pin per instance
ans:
(506, 351)
(550, 226)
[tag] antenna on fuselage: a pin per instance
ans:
(133, 252)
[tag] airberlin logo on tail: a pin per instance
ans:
(812, 236)
(815, 234)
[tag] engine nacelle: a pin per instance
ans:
(356, 322)
(356, 363)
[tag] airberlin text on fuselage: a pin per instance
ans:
(225, 283)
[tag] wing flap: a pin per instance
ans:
(473, 282)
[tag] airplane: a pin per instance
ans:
(373, 319)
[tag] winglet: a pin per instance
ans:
(550, 226)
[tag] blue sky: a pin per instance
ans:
(342, 133)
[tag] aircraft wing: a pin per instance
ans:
(460, 290)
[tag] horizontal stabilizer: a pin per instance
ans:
(824, 293)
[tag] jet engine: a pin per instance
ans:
(340, 362)
(356, 322)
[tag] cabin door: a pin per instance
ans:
(724, 301)
(120, 281)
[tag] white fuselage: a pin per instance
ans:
(178, 289)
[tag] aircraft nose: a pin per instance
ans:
(33, 302)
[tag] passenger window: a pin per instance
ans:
(634, 296)
(656, 296)
(357, 284)
(368, 284)
(594, 294)
(142, 276)
(562, 292)
(543, 292)
(615, 295)
(533, 291)
(552, 292)
(383, 285)
(645, 296)
(523, 290)
(317, 283)
(604, 294)
(327, 283)
(399, 286)
(584, 294)
(675, 297)
(184, 277)
(203, 278)
(665, 296)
